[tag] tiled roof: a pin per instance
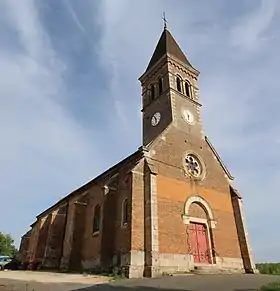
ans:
(167, 44)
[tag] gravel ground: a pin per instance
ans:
(10, 285)
(49, 277)
(46, 281)
(50, 282)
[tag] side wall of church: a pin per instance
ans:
(32, 246)
(45, 243)
(111, 245)
(64, 237)
(24, 247)
(55, 237)
(44, 226)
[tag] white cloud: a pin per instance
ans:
(32, 90)
(121, 44)
(75, 17)
(43, 150)
(250, 31)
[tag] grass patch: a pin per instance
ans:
(112, 276)
(117, 277)
(275, 286)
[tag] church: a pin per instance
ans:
(169, 207)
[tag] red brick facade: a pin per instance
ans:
(135, 218)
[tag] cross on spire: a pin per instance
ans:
(164, 20)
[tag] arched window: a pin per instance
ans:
(160, 85)
(96, 219)
(187, 89)
(152, 89)
(125, 212)
(178, 84)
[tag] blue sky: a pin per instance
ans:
(70, 98)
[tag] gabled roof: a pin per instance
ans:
(167, 45)
(133, 158)
(218, 158)
(27, 234)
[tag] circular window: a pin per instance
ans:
(193, 166)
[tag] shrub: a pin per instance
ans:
(269, 268)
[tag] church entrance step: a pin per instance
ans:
(213, 269)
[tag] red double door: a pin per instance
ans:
(199, 243)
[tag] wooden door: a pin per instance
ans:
(199, 243)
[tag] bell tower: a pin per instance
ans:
(183, 172)
(169, 92)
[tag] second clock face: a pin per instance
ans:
(155, 119)
(188, 116)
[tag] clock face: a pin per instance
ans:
(188, 116)
(155, 119)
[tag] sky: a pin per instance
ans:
(70, 98)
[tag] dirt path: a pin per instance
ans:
(42, 281)
(48, 277)
(47, 281)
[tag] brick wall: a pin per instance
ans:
(78, 234)
(68, 235)
(33, 241)
(109, 230)
(172, 195)
(91, 245)
(55, 238)
(137, 210)
(42, 237)
(196, 210)
(24, 247)
(113, 238)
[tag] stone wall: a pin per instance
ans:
(42, 237)
(54, 241)
(24, 247)
(77, 239)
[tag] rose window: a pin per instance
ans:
(193, 166)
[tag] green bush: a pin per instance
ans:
(271, 287)
(269, 268)
(7, 247)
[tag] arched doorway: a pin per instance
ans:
(199, 221)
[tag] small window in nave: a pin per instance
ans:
(96, 219)
(125, 212)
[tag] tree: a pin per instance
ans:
(7, 247)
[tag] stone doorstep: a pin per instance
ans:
(137, 272)
(177, 273)
(214, 269)
(181, 274)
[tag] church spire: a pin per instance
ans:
(167, 45)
